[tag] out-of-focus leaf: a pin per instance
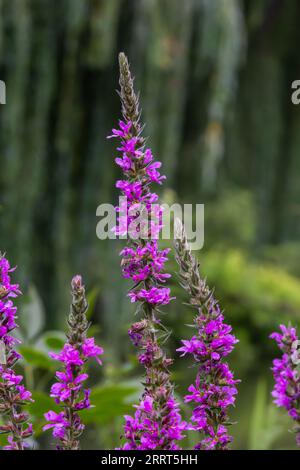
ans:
(110, 402)
(42, 403)
(54, 340)
(3, 439)
(37, 358)
(258, 415)
(32, 318)
(265, 426)
(94, 330)
(92, 299)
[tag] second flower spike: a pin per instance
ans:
(69, 391)
(214, 389)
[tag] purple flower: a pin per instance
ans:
(286, 391)
(90, 349)
(145, 431)
(145, 262)
(154, 296)
(24, 395)
(69, 355)
(7, 288)
(13, 394)
(154, 175)
(57, 422)
(85, 402)
(122, 132)
(124, 163)
(11, 379)
(63, 390)
(218, 439)
(136, 332)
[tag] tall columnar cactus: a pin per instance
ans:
(214, 389)
(68, 391)
(156, 423)
(286, 371)
(13, 394)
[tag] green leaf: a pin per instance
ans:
(94, 330)
(109, 402)
(92, 297)
(42, 403)
(54, 340)
(3, 440)
(32, 318)
(37, 358)
(264, 426)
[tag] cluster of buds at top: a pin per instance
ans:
(69, 391)
(129, 99)
(156, 423)
(214, 389)
(13, 394)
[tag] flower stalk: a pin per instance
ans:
(156, 423)
(214, 389)
(69, 391)
(13, 394)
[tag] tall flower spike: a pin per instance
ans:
(214, 389)
(69, 391)
(286, 371)
(157, 423)
(13, 394)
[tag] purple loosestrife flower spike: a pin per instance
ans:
(69, 391)
(286, 371)
(157, 423)
(214, 389)
(13, 394)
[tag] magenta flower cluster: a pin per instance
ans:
(144, 432)
(286, 371)
(215, 387)
(70, 394)
(69, 391)
(13, 394)
(145, 262)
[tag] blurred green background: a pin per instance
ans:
(215, 86)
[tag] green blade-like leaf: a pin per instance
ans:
(37, 358)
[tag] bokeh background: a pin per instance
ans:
(215, 87)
